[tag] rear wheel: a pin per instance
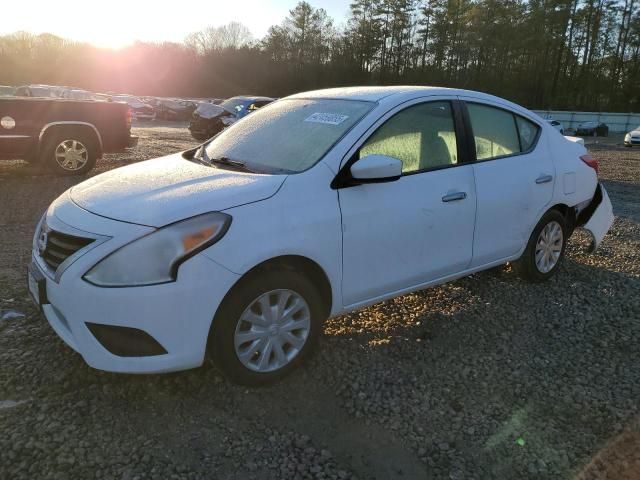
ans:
(545, 249)
(68, 152)
(266, 326)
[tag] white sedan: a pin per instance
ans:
(632, 138)
(316, 205)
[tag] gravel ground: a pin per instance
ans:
(486, 377)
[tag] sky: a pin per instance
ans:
(117, 23)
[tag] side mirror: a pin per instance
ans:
(376, 169)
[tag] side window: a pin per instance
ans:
(494, 131)
(422, 136)
(528, 132)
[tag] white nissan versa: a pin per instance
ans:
(318, 204)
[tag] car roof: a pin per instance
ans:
(401, 93)
(377, 94)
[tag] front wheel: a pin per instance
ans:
(545, 249)
(266, 326)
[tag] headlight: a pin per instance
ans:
(627, 137)
(155, 258)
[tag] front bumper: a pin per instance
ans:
(176, 315)
(597, 217)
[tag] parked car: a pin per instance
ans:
(632, 138)
(557, 125)
(47, 91)
(174, 109)
(64, 136)
(356, 195)
(209, 119)
(139, 109)
(6, 91)
(78, 94)
(592, 129)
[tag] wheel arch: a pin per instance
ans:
(298, 263)
(53, 127)
(569, 214)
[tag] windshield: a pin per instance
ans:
(235, 104)
(288, 136)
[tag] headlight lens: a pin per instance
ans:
(627, 137)
(155, 258)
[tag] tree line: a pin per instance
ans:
(560, 54)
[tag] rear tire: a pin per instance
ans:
(68, 152)
(251, 312)
(545, 249)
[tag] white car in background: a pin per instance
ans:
(311, 207)
(632, 138)
(139, 110)
(78, 94)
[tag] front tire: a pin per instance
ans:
(545, 249)
(266, 327)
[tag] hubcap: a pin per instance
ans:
(272, 330)
(549, 247)
(71, 155)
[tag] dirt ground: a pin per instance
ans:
(485, 377)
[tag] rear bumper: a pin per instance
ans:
(120, 144)
(597, 217)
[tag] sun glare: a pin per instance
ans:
(122, 22)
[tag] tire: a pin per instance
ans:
(80, 142)
(526, 266)
(229, 322)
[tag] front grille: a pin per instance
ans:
(55, 247)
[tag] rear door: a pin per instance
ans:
(514, 176)
(17, 130)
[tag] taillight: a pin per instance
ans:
(591, 161)
(128, 118)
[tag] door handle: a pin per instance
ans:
(452, 197)
(544, 179)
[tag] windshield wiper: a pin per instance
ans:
(226, 161)
(202, 157)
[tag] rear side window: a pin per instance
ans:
(500, 133)
(528, 132)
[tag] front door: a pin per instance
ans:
(402, 234)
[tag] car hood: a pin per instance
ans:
(164, 190)
(635, 133)
(209, 110)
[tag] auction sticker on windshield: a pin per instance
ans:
(328, 118)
